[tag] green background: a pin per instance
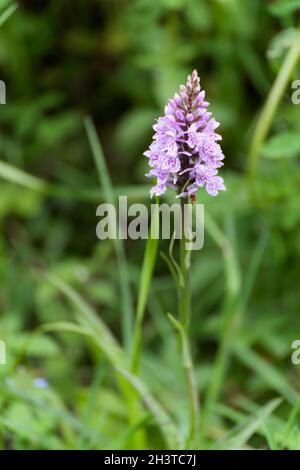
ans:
(119, 61)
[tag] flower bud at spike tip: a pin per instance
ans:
(185, 154)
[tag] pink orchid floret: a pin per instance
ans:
(185, 153)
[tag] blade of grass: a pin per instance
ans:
(167, 427)
(124, 278)
(268, 373)
(234, 306)
(230, 316)
(93, 326)
(271, 431)
(289, 425)
(56, 410)
(29, 434)
(127, 313)
(254, 264)
(238, 438)
(145, 281)
(91, 323)
(267, 115)
(123, 441)
(110, 348)
(83, 443)
(191, 439)
(164, 421)
(22, 178)
(7, 13)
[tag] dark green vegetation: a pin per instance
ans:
(119, 61)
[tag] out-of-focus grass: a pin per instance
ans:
(120, 61)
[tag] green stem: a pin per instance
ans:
(184, 288)
(185, 317)
(266, 117)
(145, 281)
(193, 403)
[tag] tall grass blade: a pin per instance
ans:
(164, 421)
(248, 428)
(7, 13)
(91, 323)
(268, 373)
(145, 281)
(124, 280)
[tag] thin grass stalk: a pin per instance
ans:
(145, 281)
(143, 293)
(124, 280)
(230, 314)
(184, 307)
(7, 13)
(138, 439)
(268, 112)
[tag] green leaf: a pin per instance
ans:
(283, 145)
(187, 362)
(41, 347)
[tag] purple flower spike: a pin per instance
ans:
(184, 153)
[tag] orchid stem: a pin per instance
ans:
(185, 317)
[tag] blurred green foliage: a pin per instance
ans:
(119, 61)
